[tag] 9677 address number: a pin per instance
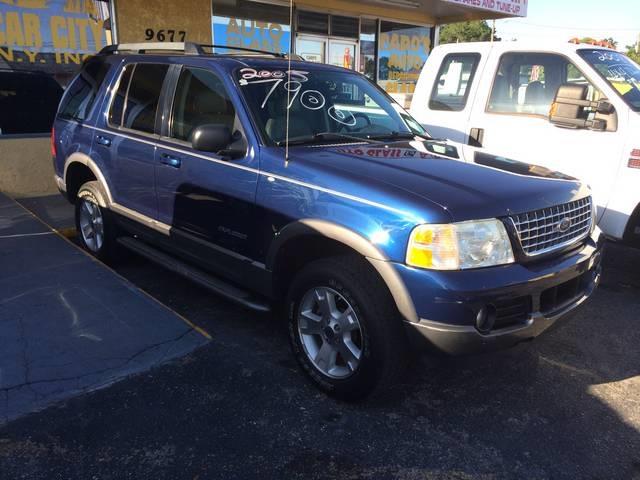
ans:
(165, 35)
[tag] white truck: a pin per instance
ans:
(572, 108)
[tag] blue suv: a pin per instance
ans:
(282, 183)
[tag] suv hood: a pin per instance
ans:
(493, 187)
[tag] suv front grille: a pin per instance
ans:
(553, 228)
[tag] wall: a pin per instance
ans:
(26, 168)
(174, 21)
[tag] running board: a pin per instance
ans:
(216, 285)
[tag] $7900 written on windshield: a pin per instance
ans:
(293, 83)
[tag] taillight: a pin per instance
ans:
(53, 143)
(634, 159)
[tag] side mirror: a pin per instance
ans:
(568, 109)
(211, 138)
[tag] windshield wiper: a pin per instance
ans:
(322, 136)
(395, 136)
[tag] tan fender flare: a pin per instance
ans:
(356, 242)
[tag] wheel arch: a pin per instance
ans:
(76, 169)
(286, 255)
(630, 235)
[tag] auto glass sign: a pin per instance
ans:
(49, 34)
(516, 8)
(238, 32)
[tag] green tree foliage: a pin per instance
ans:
(476, 31)
(632, 54)
(612, 42)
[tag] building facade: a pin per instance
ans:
(43, 42)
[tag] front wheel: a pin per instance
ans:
(344, 328)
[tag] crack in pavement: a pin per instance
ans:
(128, 360)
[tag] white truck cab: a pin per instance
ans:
(567, 107)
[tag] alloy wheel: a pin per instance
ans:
(330, 332)
(91, 225)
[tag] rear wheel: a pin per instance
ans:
(344, 328)
(96, 231)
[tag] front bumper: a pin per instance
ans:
(448, 303)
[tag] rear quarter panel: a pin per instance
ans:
(76, 137)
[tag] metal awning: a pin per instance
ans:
(448, 11)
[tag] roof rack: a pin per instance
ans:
(188, 48)
(144, 47)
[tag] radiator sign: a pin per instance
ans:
(514, 8)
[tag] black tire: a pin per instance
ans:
(92, 193)
(383, 343)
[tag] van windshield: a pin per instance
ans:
(622, 73)
(324, 105)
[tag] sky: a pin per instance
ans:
(565, 19)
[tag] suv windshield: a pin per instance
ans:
(324, 105)
(620, 71)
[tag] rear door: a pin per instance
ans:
(206, 198)
(126, 139)
(513, 119)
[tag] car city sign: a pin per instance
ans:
(516, 8)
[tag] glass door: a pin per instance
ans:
(312, 49)
(342, 53)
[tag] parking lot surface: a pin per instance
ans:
(564, 406)
(68, 324)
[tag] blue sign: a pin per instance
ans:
(40, 34)
(238, 32)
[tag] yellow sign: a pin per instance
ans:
(145, 21)
(49, 32)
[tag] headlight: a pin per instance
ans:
(459, 246)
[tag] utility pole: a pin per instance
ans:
(493, 29)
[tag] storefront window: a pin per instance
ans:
(42, 45)
(368, 34)
(344, 26)
(403, 51)
(252, 25)
(312, 49)
(312, 22)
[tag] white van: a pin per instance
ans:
(567, 107)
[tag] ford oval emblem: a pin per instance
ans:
(563, 225)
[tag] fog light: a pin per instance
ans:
(485, 319)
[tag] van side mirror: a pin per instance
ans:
(568, 109)
(211, 138)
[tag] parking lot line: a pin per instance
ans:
(19, 235)
(67, 232)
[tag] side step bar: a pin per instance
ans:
(216, 285)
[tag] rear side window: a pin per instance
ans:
(117, 105)
(453, 83)
(82, 92)
(200, 99)
(136, 101)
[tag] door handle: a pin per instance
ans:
(170, 160)
(102, 140)
(476, 137)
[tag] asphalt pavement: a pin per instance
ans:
(68, 324)
(564, 406)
